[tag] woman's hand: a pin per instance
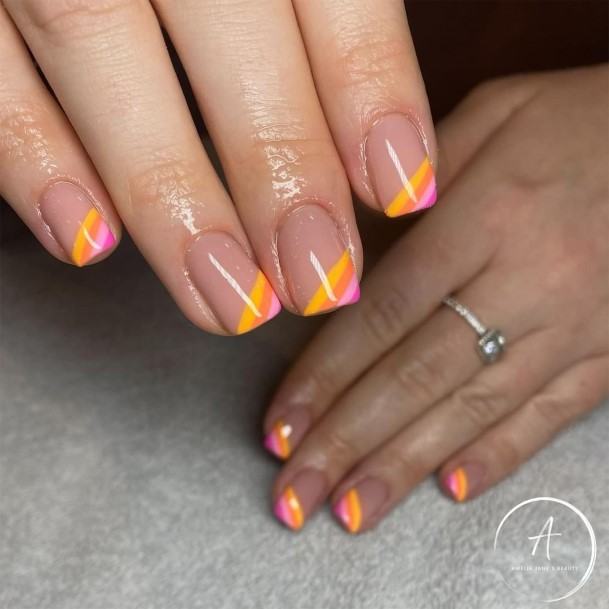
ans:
(393, 389)
(300, 99)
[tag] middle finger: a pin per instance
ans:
(248, 68)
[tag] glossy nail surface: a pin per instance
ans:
(75, 222)
(360, 503)
(315, 262)
(464, 481)
(299, 498)
(287, 432)
(399, 166)
(231, 283)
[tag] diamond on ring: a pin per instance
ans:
(491, 342)
(491, 345)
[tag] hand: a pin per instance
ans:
(299, 98)
(393, 389)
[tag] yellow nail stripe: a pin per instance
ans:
(355, 511)
(294, 508)
(248, 317)
(461, 484)
(403, 196)
(334, 276)
(81, 241)
(284, 442)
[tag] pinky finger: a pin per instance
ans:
(45, 174)
(501, 450)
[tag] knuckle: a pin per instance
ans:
(383, 316)
(166, 180)
(364, 56)
(551, 409)
(480, 405)
(420, 379)
(407, 468)
(23, 137)
(338, 449)
(506, 448)
(281, 150)
(489, 91)
(278, 156)
(76, 18)
(324, 379)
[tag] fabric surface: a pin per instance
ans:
(132, 475)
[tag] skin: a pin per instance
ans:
(288, 91)
(394, 387)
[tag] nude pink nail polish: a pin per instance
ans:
(360, 503)
(399, 166)
(286, 433)
(317, 265)
(232, 284)
(300, 497)
(75, 222)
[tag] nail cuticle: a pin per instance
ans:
(317, 266)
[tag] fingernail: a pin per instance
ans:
(75, 222)
(399, 167)
(300, 497)
(360, 503)
(234, 287)
(287, 432)
(464, 481)
(316, 264)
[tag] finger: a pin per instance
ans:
(45, 174)
(412, 454)
(371, 88)
(462, 134)
(277, 152)
(109, 67)
(501, 450)
(427, 368)
(404, 291)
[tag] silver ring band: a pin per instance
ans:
(491, 342)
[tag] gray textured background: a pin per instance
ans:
(131, 474)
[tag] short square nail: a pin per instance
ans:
(464, 481)
(399, 166)
(299, 498)
(360, 503)
(75, 222)
(287, 432)
(235, 288)
(315, 262)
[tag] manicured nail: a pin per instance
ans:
(399, 167)
(287, 432)
(359, 504)
(464, 481)
(317, 265)
(75, 222)
(300, 498)
(234, 287)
